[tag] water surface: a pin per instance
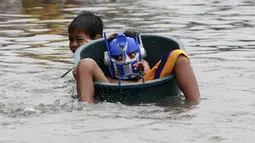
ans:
(36, 105)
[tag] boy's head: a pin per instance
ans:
(121, 55)
(85, 27)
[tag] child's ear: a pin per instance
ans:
(98, 36)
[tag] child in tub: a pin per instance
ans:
(88, 26)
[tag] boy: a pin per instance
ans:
(85, 27)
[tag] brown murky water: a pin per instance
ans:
(36, 105)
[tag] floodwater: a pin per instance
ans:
(36, 105)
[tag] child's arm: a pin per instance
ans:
(186, 79)
(142, 65)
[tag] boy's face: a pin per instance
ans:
(76, 39)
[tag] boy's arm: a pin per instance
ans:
(186, 79)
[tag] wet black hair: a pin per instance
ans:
(88, 22)
(132, 32)
(129, 33)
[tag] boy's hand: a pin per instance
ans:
(142, 65)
